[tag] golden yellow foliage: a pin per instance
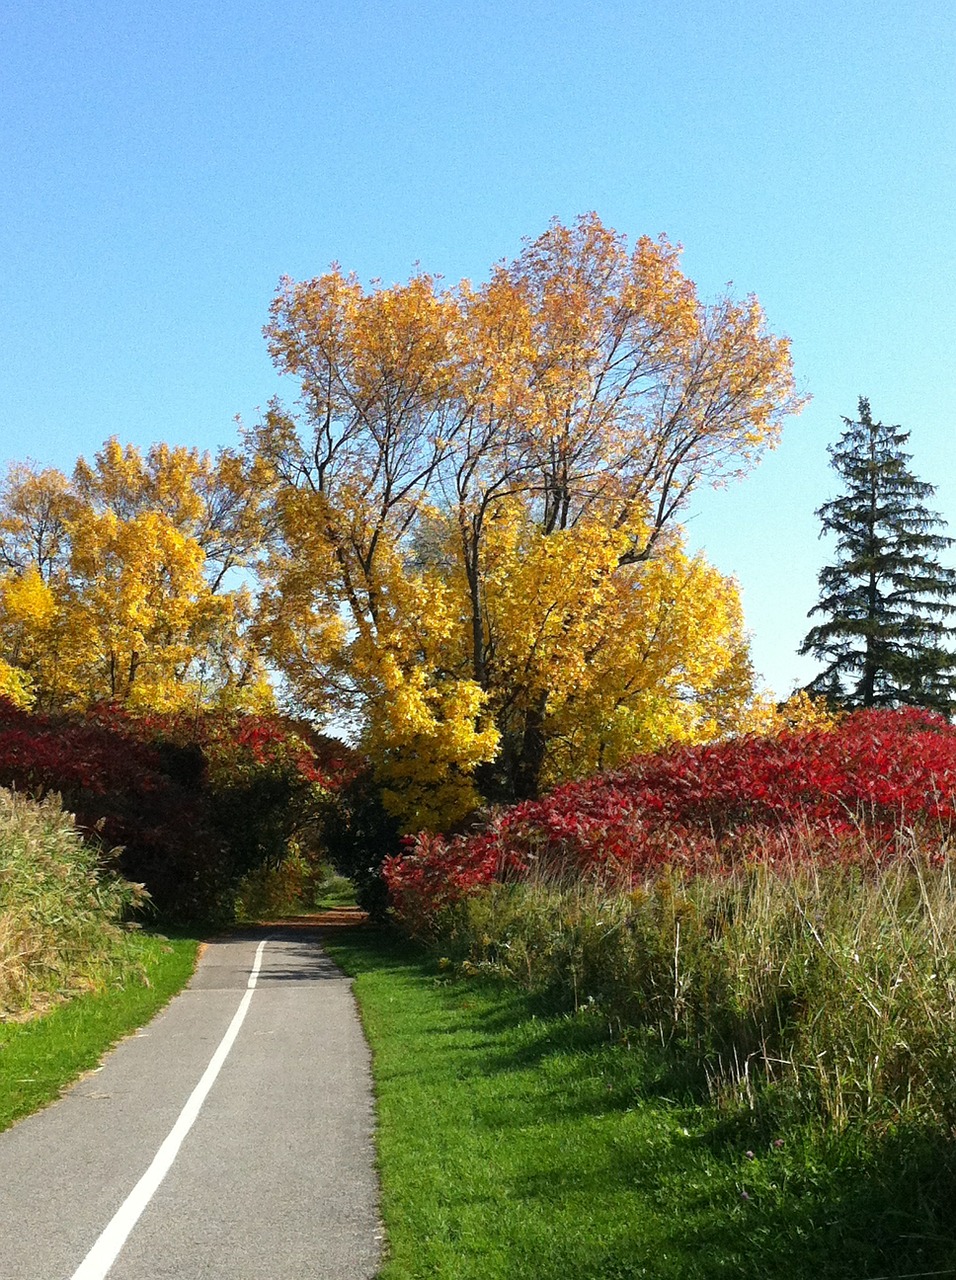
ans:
(800, 713)
(425, 740)
(16, 686)
(670, 663)
(476, 552)
(117, 584)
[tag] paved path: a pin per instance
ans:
(274, 1176)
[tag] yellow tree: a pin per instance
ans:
(466, 454)
(118, 583)
(667, 661)
(619, 657)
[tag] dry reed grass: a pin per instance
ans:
(60, 914)
(832, 987)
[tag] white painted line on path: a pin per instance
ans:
(96, 1264)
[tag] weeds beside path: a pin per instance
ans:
(521, 1144)
(38, 1058)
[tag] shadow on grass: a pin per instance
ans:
(746, 1195)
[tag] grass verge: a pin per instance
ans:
(39, 1057)
(333, 891)
(516, 1142)
(835, 985)
(290, 889)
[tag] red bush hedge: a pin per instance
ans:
(193, 802)
(843, 793)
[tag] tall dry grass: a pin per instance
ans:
(833, 988)
(60, 915)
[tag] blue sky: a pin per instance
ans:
(165, 163)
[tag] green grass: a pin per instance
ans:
(514, 1142)
(334, 891)
(38, 1058)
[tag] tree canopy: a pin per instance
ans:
(116, 585)
(477, 547)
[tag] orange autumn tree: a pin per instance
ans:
(477, 547)
(118, 583)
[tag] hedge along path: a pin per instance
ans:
(230, 1138)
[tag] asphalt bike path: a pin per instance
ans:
(230, 1139)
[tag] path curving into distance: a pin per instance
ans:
(230, 1139)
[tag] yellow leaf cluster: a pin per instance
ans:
(16, 686)
(425, 738)
(621, 658)
(116, 584)
(477, 555)
(800, 713)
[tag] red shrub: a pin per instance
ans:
(194, 802)
(118, 789)
(842, 794)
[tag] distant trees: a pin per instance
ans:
(885, 598)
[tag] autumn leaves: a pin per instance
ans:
(478, 549)
(464, 538)
(118, 583)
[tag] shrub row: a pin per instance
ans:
(186, 806)
(837, 795)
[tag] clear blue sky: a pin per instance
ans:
(164, 163)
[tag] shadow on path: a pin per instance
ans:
(297, 940)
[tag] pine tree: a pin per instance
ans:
(886, 597)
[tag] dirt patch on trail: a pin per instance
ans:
(335, 919)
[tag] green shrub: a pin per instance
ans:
(332, 889)
(59, 911)
(358, 834)
(269, 892)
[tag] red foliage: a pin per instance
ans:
(116, 785)
(843, 794)
(193, 802)
(236, 744)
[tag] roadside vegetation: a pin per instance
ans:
(778, 912)
(40, 1056)
(517, 1140)
(74, 978)
(60, 914)
(695, 1016)
(296, 886)
(828, 993)
(193, 807)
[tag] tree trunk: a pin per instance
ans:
(531, 752)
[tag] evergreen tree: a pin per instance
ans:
(886, 597)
